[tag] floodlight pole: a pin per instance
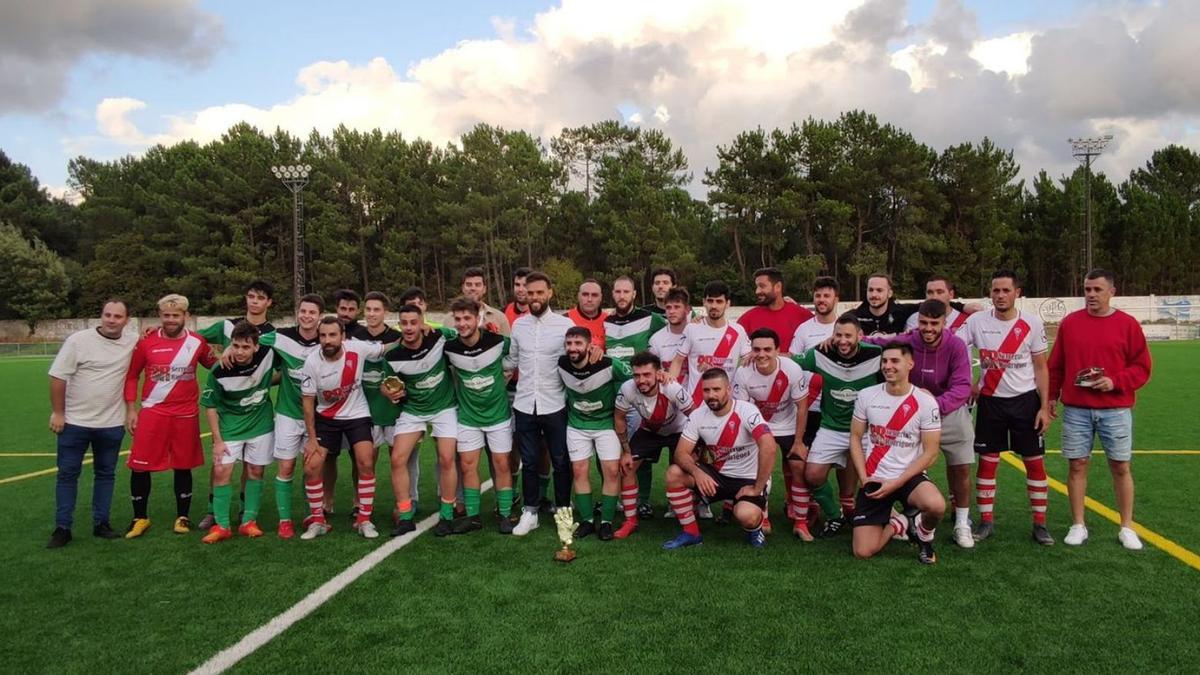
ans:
(1086, 149)
(295, 177)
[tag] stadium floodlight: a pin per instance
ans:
(1085, 149)
(295, 177)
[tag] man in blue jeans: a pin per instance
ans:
(87, 409)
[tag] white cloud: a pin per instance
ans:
(1008, 54)
(910, 59)
(661, 114)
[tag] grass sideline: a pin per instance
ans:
(166, 603)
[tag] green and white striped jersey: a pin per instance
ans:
(241, 395)
(842, 378)
(291, 351)
(627, 335)
(427, 386)
(592, 391)
(219, 332)
(479, 379)
(383, 411)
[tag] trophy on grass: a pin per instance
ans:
(564, 519)
(392, 385)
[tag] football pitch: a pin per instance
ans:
(489, 603)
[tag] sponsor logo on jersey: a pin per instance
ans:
(296, 374)
(479, 382)
(589, 406)
(167, 373)
(253, 399)
(431, 381)
(372, 376)
(846, 395)
(620, 352)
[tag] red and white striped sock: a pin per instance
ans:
(847, 504)
(1035, 486)
(922, 533)
(681, 503)
(366, 497)
(629, 494)
(800, 498)
(985, 485)
(787, 486)
(899, 524)
(314, 493)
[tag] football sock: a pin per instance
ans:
(629, 499)
(504, 500)
(681, 504)
(366, 497)
(608, 508)
(283, 497)
(210, 503)
(471, 499)
(139, 492)
(925, 535)
(583, 502)
(962, 516)
(645, 478)
(1035, 486)
(985, 484)
(183, 492)
(800, 497)
(222, 496)
(407, 512)
(314, 492)
(823, 495)
(899, 523)
(254, 490)
(446, 510)
(847, 504)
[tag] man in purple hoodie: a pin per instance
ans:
(942, 366)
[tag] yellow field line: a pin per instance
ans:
(1155, 539)
(54, 470)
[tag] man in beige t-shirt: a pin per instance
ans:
(87, 408)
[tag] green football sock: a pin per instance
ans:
(583, 502)
(645, 478)
(210, 506)
(410, 513)
(446, 511)
(471, 497)
(283, 497)
(504, 499)
(608, 508)
(222, 496)
(829, 503)
(254, 490)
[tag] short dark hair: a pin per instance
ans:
(625, 277)
(538, 276)
(262, 286)
(331, 319)
(849, 318)
(474, 271)
(116, 300)
(345, 294)
(825, 282)
(882, 275)
(717, 289)
(1007, 274)
(521, 273)
(463, 304)
(581, 332)
(678, 294)
(715, 373)
(312, 299)
(765, 333)
(645, 359)
(412, 293)
(934, 309)
(244, 330)
(1100, 273)
(938, 277)
(660, 271)
(377, 295)
(410, 308)
(771, 273)
(904, 347)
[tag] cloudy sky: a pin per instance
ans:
(105, 78)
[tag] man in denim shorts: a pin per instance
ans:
(1099, 361)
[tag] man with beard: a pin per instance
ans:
(880, 314)
(166, 431)
(383, 411)
(666, 341)
(711, 342)
(939, 287)
(520, 304)
(588, 313)
(346, 304)
(662, 280)
(772, 310)
(474, 287)
(740, 453)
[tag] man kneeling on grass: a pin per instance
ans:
(894, 438)
(237, 401)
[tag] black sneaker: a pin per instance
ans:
(925, 553)
(1042, 536)
(832, 528)
(443, 528)
(645, 511)
(104, 531)
(605, 532)
(505, 525)
(59, 538)
(585, 528)
(468, 524)
(403, 527)
(985, 530)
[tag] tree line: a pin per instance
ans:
(846, 197)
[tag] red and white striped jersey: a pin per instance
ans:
(1006, 351)
(170, 385)
(337, 383)
(732, 438)
(664, 413)
(706, 347)
(894, 427)
(775, 394)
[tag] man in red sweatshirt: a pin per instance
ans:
(1098, 362)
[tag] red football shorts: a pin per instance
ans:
(162, 442)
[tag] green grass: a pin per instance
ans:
(483, 602)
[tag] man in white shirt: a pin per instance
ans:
(86, 383)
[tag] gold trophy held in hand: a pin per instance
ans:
(564, 519)
(393, 387)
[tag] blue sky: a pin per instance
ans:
(266, 45)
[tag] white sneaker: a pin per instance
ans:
(367, 530)
(527, 524)
(1129, 539)
(1077, 535)
(962, 536)
(316, 530)
(703, 511)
